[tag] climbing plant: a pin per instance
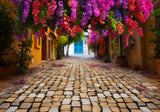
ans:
(23, 56)
(105, 18)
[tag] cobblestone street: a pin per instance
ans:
(82, 85)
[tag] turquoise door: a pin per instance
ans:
(78, 47)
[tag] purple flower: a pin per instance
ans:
(105, 32)
(73, 15)
(104, 15)
(60, 11)
(96, 12)
(132, 42)
(81, 2)
(87, 14)
(25, 35)
(117, 14)
(125, 4)
(118, 2)
(126, 17)
(37, 35)
(24, 5)
(18, 37)
(60, 3)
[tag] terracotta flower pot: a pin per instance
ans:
(135, 67)
(158, 66)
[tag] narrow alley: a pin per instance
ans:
(82, 85)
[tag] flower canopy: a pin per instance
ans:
(106, 18)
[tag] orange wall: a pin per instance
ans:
(149, 47)
(36, 52)
(143, 51)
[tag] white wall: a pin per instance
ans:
(71, 49)
(85, 46)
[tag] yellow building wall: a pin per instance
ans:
(53, 44)
(53, 50)
(36, 52)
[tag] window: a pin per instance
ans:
(37, 42)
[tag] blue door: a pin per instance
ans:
(78, 47)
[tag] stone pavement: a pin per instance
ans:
(82, 85)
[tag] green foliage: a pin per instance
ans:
(113, 21)
(43, 13)
(156, 12)
(156, 32)
(116, 49)
(78, 37)
(23, 56)
(59, 52)
(6, 32)
(63, 39)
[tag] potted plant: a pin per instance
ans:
(156, 41)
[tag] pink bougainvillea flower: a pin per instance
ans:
(44, 1)
(51, 8)
(36, 4)
(78, 29)
(36, 19)
(96, 12)
(35, 12)
(120, 28)
(131, 25)
(65, 24)
(101, 51)
(42, 33)
(111, 34)
(89, 42)
(131, 4)
(140, 31)
(132, 42)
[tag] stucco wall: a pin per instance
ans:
(36, 52)
(135, 54)
(148, 48)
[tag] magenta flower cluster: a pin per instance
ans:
(74, 10)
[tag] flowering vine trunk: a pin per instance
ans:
(121, 46)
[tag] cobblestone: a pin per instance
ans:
(26, 105)
(80, 87)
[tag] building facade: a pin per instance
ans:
(79, 48)
(143, 51)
